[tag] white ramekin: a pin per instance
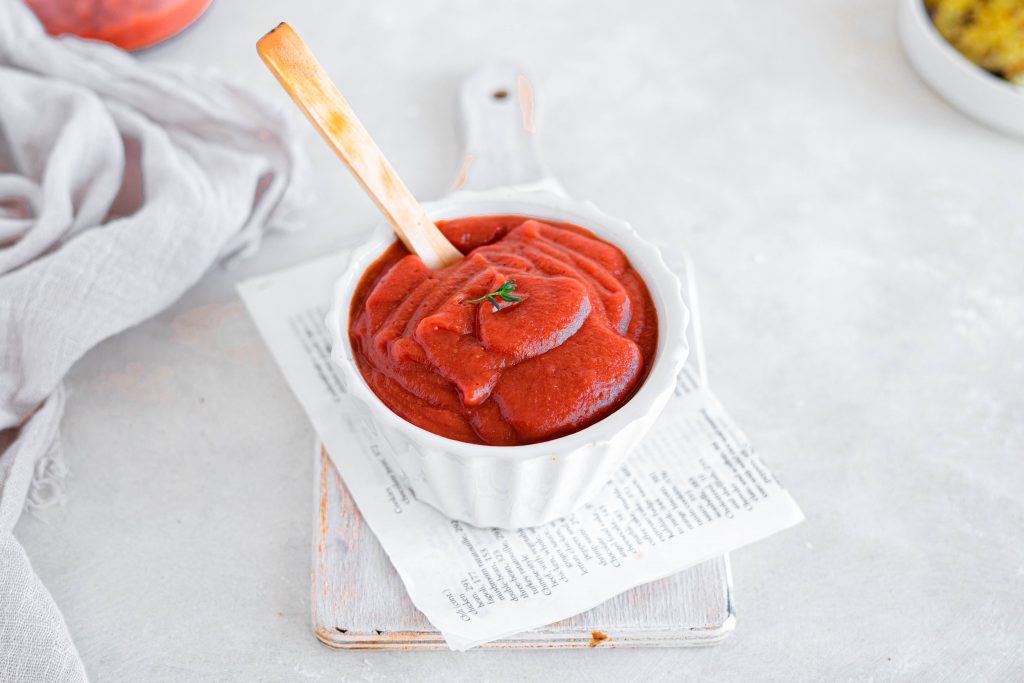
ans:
(517, 486)
(955, 78)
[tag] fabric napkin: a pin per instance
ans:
(120, 185)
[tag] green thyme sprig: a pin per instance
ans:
(505, 292)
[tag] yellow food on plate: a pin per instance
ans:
(990, 33)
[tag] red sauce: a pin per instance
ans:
(129, 24)
(573, 351)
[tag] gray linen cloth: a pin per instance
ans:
(120, 185)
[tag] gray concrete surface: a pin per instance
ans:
(860, 252)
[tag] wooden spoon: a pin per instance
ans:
(304, 78)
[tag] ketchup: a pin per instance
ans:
(505, 372)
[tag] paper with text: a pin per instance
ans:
(693, 490)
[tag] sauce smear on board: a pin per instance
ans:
(574, 349)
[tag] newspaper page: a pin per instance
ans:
(693, 490)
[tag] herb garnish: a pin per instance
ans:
(504, 292)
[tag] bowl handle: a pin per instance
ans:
(499, 132)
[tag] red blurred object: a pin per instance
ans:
(129, 24)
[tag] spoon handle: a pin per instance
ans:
(302, 76)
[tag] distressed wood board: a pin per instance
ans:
(358, 599)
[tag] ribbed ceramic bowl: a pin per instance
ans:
(518, 486)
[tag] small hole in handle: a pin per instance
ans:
(499, 94)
